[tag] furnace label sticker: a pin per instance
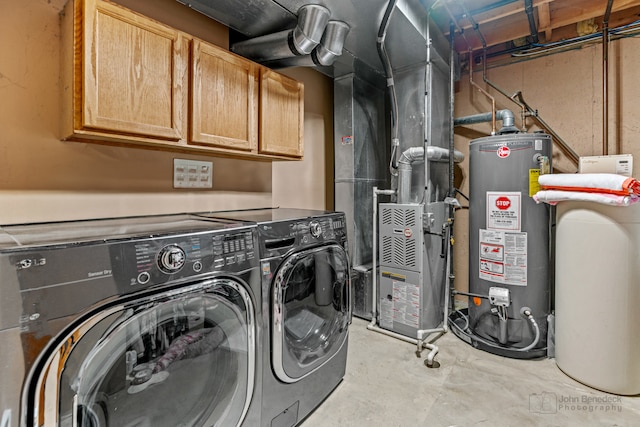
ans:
(503, 257)
(386, 313)
(406, 304)
(503, 210)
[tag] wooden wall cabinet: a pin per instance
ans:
(281, 114)
(130, 80)
(126, 76)
(224, 99)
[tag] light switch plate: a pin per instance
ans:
(192, 174)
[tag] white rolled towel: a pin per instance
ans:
(591, 183)
(552, 197)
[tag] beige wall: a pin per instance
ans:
(566, 89)
(44, 179)
(309, 183)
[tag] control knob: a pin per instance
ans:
(171, 259)
(315, 229)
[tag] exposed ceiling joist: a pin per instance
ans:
(544, 20)
(499, 13)
(504, 21)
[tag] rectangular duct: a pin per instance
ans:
(361, 163)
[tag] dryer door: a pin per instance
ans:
(311, 310)
(184, 357)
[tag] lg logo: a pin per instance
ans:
(27, 263)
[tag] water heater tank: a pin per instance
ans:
(509, 249)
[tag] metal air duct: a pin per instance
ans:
(312, 21)
(330, 47)
(324, 54)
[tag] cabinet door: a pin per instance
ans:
(281, 115)
(224, 99)
(132, 71)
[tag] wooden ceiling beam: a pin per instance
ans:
(568, 12)
(561, 14)
(500, 13)
(544, 21)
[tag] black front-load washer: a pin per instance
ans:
(306, 307)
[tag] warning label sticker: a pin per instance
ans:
(406, 303)
(534, 186)
(503, 210)
(503, 257)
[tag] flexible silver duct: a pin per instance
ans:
(325, 54)
(312, 21)
(506, 116)
(416, 155)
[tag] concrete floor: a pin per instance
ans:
(387, 385)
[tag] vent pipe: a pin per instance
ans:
(416, 155)
(324, 54)
(312, 21)
(528, 7)
(506, 116)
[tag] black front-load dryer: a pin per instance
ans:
(146, 321)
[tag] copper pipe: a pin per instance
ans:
(523, 108)
(475, 26)
(605, 81)
(526, 109)
(484, 92)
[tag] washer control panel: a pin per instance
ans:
(277, 238)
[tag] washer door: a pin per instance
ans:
(184, 357)
(311, 310)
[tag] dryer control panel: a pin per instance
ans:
(153, 261)
(54, 270)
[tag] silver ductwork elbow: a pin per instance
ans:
(405, 166)
(312, 21)
(330, 47)
(506, 116)
(416, 155)
(325, 54)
